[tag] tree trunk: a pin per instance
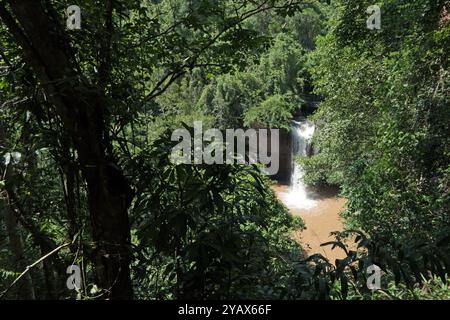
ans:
(68, 179)
(81, 108)
(25, 290)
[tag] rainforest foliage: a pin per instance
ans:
(85, 137)
(384, 119)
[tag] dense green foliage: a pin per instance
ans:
(196, 232)
(209, 231)
(383, 129)
(144, 68)
(384, 121)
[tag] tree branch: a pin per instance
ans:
(192, 61)
(28, 268)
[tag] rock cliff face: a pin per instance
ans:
(285, 156)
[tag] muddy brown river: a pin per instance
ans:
(320, 220)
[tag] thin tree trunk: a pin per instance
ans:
(52, 281)
(26, 290)
(49, 277)
(68, 177)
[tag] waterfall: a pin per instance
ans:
(298, 195)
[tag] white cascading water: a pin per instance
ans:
(298, 196)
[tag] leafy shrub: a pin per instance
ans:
(409, 269)
(209, 232)
(274, 112)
